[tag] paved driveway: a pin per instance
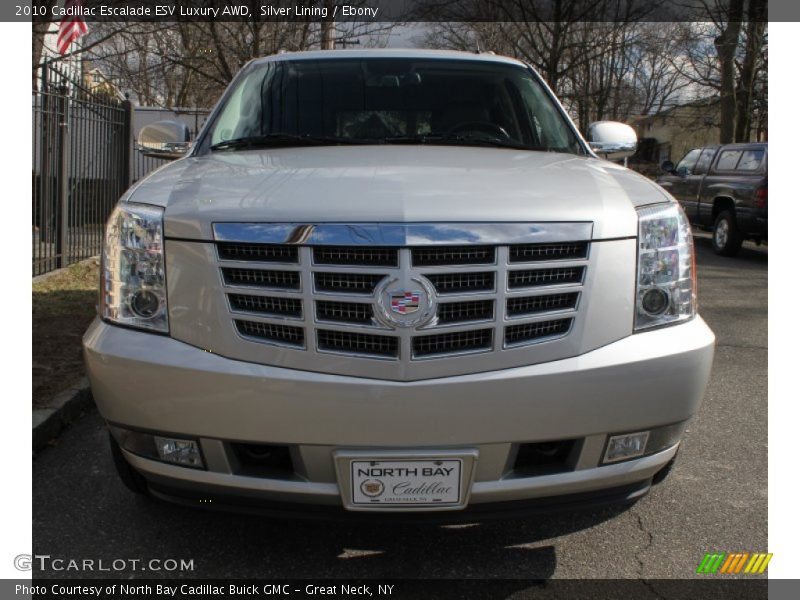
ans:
(715, 499)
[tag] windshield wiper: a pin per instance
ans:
(270, 140)
(413, 139)
(457, 139)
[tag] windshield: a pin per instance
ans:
(404, 101)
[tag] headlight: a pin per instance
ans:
(133, 289)
(666, 285)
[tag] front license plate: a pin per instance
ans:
(406, 482)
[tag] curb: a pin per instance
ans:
(65, 408)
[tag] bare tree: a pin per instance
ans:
(40, 26)
(616, 68)
(726, 44)
(191, 63)
(725, 55)
(656, 82)
(754, 46)
(602, 70)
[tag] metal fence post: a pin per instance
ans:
(62, 144)
(127, 141)
(45, 167)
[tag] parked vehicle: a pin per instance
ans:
(399, 282)
(723, 189)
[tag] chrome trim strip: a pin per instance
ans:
(402, 234)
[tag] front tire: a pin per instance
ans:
(130, 477)
(725, 237)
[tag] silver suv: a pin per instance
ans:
(398, 282)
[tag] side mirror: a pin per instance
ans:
(611, 139)
(164, 139)
(668, 166)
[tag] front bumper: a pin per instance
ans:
(155, 383)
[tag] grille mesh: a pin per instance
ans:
(517, 334)
(460, 312)
(268, 331)
(534, 277)
(353, 283)
(449, 343)
(344, 312)
(534, 304)
(283, 280)
(290, 307)
(540, 252)
(452, 255)
(357, 343)
(456, 283)
(355, 255)
(258, 252)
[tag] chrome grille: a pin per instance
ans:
(542, 252)
(452, 255)
(520, 334)
(452, 343)
(321, 298)
(344, 312)
(357, 343)
(528, 305)
(288, 307)
(352, 283)
(461, 312)
(456, 283)
(355, 255)
(278, 280)
(283, 334)
(537, 277)
(258, 252)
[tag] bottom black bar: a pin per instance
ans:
(710, 587)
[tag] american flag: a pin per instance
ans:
(72, 26)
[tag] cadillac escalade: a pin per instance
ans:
(395, 282)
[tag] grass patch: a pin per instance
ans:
(63, 306)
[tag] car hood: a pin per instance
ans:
(394, 184)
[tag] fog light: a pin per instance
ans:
(629, 445)
(655, 301)
(145, 304)
(181, 452)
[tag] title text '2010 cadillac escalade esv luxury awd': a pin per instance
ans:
(397, 282)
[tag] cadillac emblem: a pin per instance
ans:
(372, 487)
(405, 302)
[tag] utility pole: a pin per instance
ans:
(328, 41)
(328, 28)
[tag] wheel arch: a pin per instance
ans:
(720, 204)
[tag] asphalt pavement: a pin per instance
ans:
(714, 500)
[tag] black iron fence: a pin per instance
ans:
(81, 166)
(84, 158)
